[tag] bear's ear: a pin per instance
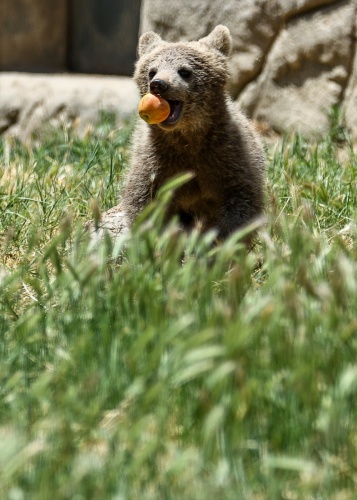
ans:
(219, 39)
(147, 42)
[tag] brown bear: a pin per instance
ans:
(204, 134)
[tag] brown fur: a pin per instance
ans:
(211, 139)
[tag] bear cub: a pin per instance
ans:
(204, 134)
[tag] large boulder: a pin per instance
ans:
(292, 61)
(28, 102)
(350, 101)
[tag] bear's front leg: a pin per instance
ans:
(139, 190)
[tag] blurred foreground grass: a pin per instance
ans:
(127, 374)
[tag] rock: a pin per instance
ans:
(292, 59)
(305, 73)
(350, 101)
(29, 101)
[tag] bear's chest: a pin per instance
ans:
(171, 162)
(202, 185)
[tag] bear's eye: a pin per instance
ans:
(185, 73)
(152, 73)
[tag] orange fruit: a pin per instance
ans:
(153, 108)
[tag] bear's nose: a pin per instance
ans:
(157, 86)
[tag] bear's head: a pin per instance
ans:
(191, 76)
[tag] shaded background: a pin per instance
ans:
(91, 36)
(293, 66)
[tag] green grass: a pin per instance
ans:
(126, 374)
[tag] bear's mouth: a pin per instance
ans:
(175, 112)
